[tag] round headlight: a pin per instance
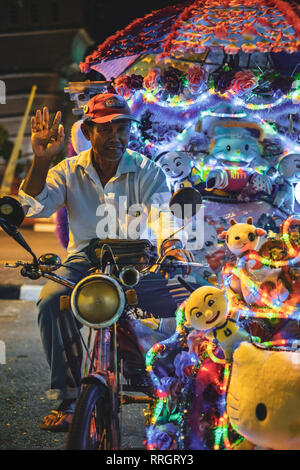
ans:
(97, 301)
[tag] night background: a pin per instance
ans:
(42, 44)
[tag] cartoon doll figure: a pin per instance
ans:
(233, 149)
(206, 310)
(180, 170)
(212, 254)
(289, 171)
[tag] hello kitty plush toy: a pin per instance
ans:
(234, 147)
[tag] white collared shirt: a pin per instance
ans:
(136, 196)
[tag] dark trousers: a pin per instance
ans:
(60, 328)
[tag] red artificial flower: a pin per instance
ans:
(249, 32)
(215, 259)
(196, 74)
(151, 80)
(171, 81)
(122, 85)
(220, 32)
(136, 82)
(242, 82)
(263, 22)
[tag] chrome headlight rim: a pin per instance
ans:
(114, 318)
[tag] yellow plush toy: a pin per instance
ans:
(242, 237)
(257, 285)
(263, 396)
(206, 310)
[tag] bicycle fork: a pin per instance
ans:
(105, 366)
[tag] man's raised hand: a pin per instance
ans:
(47, 141)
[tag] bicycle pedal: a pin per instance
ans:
(127, 399)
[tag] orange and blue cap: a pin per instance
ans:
(107, 107)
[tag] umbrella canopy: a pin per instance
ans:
(184, 66)
(202, 26)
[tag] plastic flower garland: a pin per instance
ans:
(175, 101)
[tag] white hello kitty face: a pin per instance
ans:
(211, 240)
(176, 165)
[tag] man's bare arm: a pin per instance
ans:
(36, 177)
(46, 143)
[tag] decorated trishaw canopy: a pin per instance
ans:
(184, 66)
(198, 27)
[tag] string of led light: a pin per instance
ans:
(221, 431)
(177, 101)
(150, 358)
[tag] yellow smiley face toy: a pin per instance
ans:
(206, 310)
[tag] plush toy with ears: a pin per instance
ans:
(256, 284)
(242, 237)
(206, 310)
(263, 396)
(236, 144)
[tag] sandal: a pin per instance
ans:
(60, 419)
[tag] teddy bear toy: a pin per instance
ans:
(289, 174)
(255, 283)
(234, 147)
(206, 310)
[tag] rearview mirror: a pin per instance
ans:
(49, 262)
(185, 203)
(11, 211)
(11, 217)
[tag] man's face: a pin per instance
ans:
(109, 140)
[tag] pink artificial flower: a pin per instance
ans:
(196, 74)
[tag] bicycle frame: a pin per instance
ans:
(104, 368)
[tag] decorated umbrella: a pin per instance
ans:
(176, 63)
(201, 27)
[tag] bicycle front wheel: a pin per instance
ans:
(92, 425)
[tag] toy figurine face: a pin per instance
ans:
(206, 308)
(176, 165)
(289, 167)
(234, 147)
(241, 238)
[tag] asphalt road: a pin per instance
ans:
(25, 375)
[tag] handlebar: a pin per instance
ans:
(34, 270)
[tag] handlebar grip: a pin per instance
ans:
(14, 265)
